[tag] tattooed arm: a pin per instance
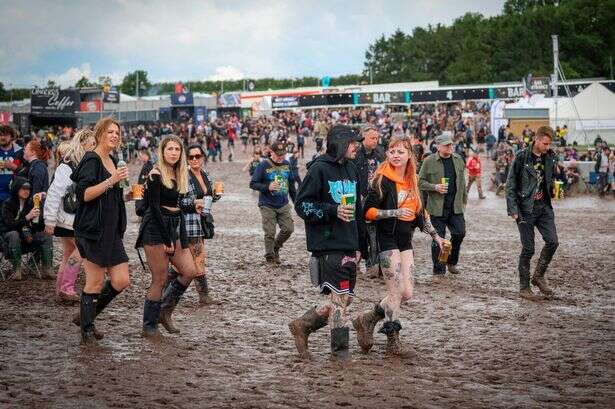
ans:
(392, 213)
(429, 229)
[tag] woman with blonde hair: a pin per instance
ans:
(99, 225)
(59, 219)
(163, 235)
(394, 204)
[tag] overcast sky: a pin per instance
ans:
(199, 40)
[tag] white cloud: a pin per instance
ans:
(225, 73)
(72, 75)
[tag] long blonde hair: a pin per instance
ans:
(411, 169)
(180, 168)
(75, 150)
(101, 127)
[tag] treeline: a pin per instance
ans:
(473, 49)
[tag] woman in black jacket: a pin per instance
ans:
(163, 236)
(100, 223)
(394, 204)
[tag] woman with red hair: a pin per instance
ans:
(394, 204)
(36, 153)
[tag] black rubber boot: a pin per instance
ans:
(107, 295)
(151, 314)
(302, 327)
(171, 296)
(87, 314)
(364, 324)
(340, 340)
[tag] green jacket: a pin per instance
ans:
(431, 174)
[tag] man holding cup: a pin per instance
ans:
(273, 179)
(442, 179)
(335, 233)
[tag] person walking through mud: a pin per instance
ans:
(99, 226)
(528, 199)
(163, 236)
(59, 219)
(368, 158)
(274, 181)
(442, 179)
(394, 204)
(334, 233)
(200, 190)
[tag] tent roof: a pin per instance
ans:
(594, 102)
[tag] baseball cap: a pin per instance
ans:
(444, 139)
(279, 148)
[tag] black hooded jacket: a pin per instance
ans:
(330, 176)
(13, 218)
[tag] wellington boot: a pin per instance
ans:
(170, 298)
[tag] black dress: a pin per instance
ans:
(109, 250)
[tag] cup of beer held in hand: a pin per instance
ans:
(36, 202)
(348, 199)
(137, 192)
(558, 190)
(445, 252)
(444, 181)
(218, 188)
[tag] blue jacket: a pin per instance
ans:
(264, 174)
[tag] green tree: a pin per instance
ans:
(129, 83)
(84, 82)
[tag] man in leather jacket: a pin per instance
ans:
(528, 199)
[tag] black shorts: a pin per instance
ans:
(151, 232)
(338, 273)
(62, 232)
(401, 240)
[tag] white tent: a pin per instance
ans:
(594, 114)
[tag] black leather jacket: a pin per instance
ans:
(522, 183)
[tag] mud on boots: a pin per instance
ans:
(302, 327)
(364, 324)
(105, 297)
(170, 298)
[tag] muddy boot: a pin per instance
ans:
(47, 262)
(171, 296)
(340, 338)
(394, 347)
(373, 272)
(453, 269)
(302, 327)
(172, 274)
(107, 295)
(276, 256)
(202, 288)
(527, 294)
(16, 263)
(151, 314)
(538, 279)
(87, 314)
(364, 324)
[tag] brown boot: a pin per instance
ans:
(373, 272)
(364, 324)
(202, 288)
(453, 269)
(527, 294)
(394, 346)
(302, 327)
(541, 283)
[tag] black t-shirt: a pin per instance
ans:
(538, 162)
(449, 172)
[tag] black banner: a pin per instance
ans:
(54, 102)
(284, 102)
(111, 97)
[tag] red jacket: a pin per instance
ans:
(474, 166)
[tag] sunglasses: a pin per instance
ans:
(193, 157)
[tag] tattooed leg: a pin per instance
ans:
(338, 316)
(406, 279)
(391, 270)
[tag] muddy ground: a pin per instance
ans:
(478, 344)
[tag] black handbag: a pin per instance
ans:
(207, 225)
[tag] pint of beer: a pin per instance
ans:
(445, 252)
(558, 191)
(36, 201)
(137, 192)
(219, 188)
(348, 199)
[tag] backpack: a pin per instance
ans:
(69, 200)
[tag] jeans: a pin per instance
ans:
(543, 219)
(457, 226)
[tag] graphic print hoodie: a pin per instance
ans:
(329, 177)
